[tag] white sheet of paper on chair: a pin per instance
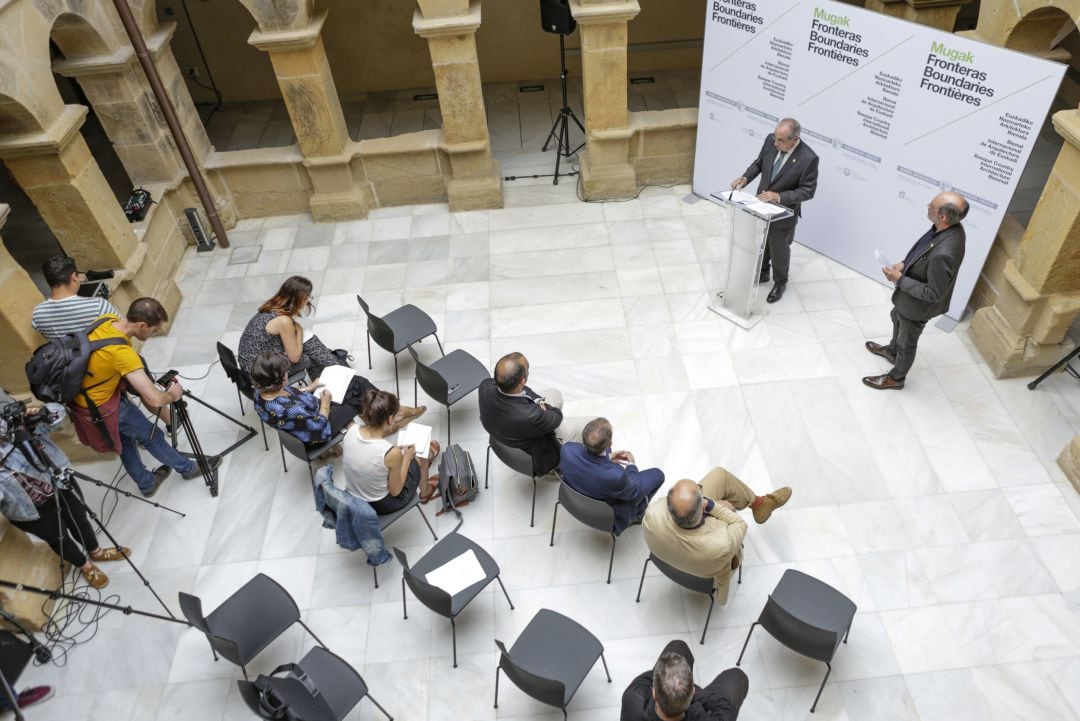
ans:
(419, 435)
(458, 573)
(337, 380)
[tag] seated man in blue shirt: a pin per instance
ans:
(593, 470)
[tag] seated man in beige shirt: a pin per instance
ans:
(696, 530)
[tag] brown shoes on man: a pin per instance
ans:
(769, 503)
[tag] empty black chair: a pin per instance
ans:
(438, 600)
(593, 513)
(448, 379)
(322, 686)
(247, 621)
(296, 447)
(518, 460)
(809, 617)
(397, 330)
(690, 582)
(550, 659)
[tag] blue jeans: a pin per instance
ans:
(136, 430)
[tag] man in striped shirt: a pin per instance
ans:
(65, 311)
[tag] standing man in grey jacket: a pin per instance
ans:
(924, 283)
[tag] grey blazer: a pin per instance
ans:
(925, 287)
(795, 183)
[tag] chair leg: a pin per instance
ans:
(415, 392)
(281, 447)
(404, 610)
(240, 399)
(379, 706)
(828, 666)
(397, 383)
(375, 573)
(642, 584)
(505, 593)
(448, 416)
(496, 687)
(746, 643)
(712, 602)
(369, 350)
(427, 522)
(604, 661)
(487, 467)
(244, 671)
(532, 516)
(740, 572)
(453, 636)
(311, 473)
(554, 517)
(441, 351)
(266, 443)
(317, 639)
(847, 633)
(611, 561)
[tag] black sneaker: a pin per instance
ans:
(160, 474)
(212, 461)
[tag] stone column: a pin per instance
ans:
(940, 14)
(450, 26)
(1023, 333)
(63, 180)
(307, 87)
(606, 170)
(20, 296)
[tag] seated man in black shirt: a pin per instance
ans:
(668, 693)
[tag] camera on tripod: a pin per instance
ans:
(95, 287)
(168, 378)
(16, 416)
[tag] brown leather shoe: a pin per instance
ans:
(881, 350)
(770, 502)
(883, 383)
(96, 577)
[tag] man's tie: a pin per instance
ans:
(777, 164)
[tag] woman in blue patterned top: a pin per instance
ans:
(313, 418)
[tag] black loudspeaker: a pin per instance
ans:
(555, 17)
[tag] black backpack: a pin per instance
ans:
(457, 479)
(56, 370)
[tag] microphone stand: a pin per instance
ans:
(41, 652)
(58, 595)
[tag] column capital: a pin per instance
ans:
(604, 13)
(272, 41)
(466, 24)
(116, 63)
(1067, 125)
(51, 140)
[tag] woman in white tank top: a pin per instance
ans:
(384, 475)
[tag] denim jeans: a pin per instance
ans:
(136, 430)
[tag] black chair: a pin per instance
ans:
(242, 380)
(809, 617)
(397, 330)
(550, 659)
(593, 513)
(322, 686)
(247, 621)
(296, 447)
(385, 521)
(518, 460)
(436, 599)
(698, 584)
(448, 379)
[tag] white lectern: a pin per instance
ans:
(748, 229)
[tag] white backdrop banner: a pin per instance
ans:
(896, 111)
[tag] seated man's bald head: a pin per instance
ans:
(511, 372)
(685, 501)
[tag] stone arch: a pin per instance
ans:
(76, 37)
(1026, 25)
(280, 14)
(16, 119)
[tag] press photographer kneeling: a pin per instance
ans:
(28, 497)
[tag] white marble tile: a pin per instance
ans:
(1059, 553)
(896, 580)
(922, 640)
(1019, 691)
(1042, 510)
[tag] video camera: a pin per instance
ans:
(95, 287)
(168, 378)
(14, 413)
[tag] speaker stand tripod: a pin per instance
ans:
(560, 129)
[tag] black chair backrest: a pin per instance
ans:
(432, 383)
(340, 686)
(544, 690)
(688, 581)
(517, 459)
(433, 597)
(191, 607)
(380, 332)
(798, 635)
(232, 370)
(590, 511)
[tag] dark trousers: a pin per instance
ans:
(71, 524)
(778, 252)
(731, 684)
(343, 413)
(905, 339)
(393, 504)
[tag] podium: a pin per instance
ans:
(748, 228)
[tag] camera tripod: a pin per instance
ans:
(560, 129)
(66, 490)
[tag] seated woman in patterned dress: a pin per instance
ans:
(301, 413)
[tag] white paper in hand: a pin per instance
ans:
(336, 379)
(416, 434)
(881, 258)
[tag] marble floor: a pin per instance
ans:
(939, 509)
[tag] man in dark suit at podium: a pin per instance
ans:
(789, 173)
(924, 285)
